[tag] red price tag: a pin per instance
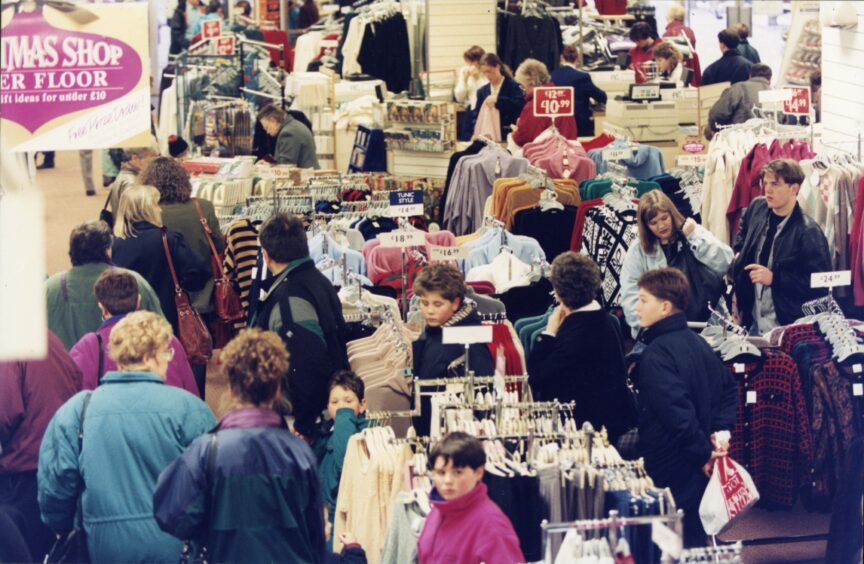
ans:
(224, 45)
(553, 101)
(211, 28)
(799, 104)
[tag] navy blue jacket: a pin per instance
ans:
(584, 90)
(731, 66)
(511, 98)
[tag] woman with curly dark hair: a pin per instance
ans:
(579, 356)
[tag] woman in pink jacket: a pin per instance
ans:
(464, 526)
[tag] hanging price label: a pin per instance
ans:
(466, 335)
(751, 397)
(402, 239)
(692, 160)
(449, 253)
(553, 101)
(831, 279)
(739, 368)
(858, 389)
(211, 28)
(799, 103)
(406, 203)
(856, 368)
(617, 154)
(224, 45)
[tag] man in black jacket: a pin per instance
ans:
(584, 90)
(687, 399)
(778, 247)
(731, 66)
(301, 305)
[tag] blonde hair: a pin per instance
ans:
(138, 203)
(137, 336)
(675, 12)
(532, 73)
(667, 50)
(652, 204)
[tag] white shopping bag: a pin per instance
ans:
(730, 493)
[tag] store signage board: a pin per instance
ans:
(799, 104)
(831, 279)
(774, 96)
(406, 203)
(553, 101)
(448, 253)
(466, 335)
(402, 239)
(692, 160)
(617, 154)
(645, 92)
(224, 45)
(71, 86)
(211, 29)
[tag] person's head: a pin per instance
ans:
(815, 79)
(760, 70)
(283, 239)
(667, 56)
(90, 243)
(576, 279)
(178, 148)
(675, 13)
(244, 8)
(139, 203)
(728, 39)
(457, 463)
(141, 341)
(473, 55)
(346, 390)
(271, 118)
(570, 55)
(662, 293)
(170, 179)
(743, 30)
(214, 7)
(255, 362)
(658, 220)
(530, 74)
(642, 34)
(493, 68)
(116, 292)
(781, 179)
(441, 289)
(140, 157)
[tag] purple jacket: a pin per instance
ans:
(468, 530)
(30, 393)
(85, 353)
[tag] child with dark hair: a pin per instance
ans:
(346, 407)
(464, 526)
(687, 399)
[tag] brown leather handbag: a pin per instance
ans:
(226, 300)
(191, 330)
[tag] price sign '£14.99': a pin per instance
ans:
(553, 101)
(799, 104)
(402, 239)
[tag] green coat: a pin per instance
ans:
(330, 447)
(75, 312)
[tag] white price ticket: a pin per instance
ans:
(402, 239)
(692, 160)
(466, 335)
(617, 154)
(449, 253)
(831, 279)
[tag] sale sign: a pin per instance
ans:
(71, 85)
(799, 104)
(211, 29)
(553, 101)
(224, 45)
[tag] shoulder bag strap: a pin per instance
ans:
(170, 262)
(79, 518)
(101, 358)
(217, 260)
(63, 288)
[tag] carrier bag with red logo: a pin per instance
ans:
(730, 493)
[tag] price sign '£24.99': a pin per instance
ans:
(799, 104)
(402, 239)
(449, 253)
(831, 279)
(553, 101)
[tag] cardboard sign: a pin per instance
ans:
(774, 96)
(211, 29)
(406, 203)
(553, 101)
(224, 45)
(466, 335)
(402, 239)
(448, 253)
(799, 103)
(71, 86)
(831, 279)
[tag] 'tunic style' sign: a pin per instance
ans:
(553, 101)
(68, 85)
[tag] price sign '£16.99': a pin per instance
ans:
(553, 101)
(449, 253)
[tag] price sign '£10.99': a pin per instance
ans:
(553, 101)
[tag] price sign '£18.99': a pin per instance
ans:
(402, 239)
(553, 101)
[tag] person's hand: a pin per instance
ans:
(709, 466)
(688, 227)
(720, 444)
(555, 320)
(760, 274)
(491, 101)
(347, 538)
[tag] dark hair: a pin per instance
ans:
(570, 53)
(760, 69)
(255, 362)
(493, 60)
(214, 6)
(816, 79)
(117, 290)
(460, 448)
(575, 278)
(787, 169)
(169, 177)
(474, 53)
(348, 380)
(284, 238)
(443, 278)
(245, 7)
(668, 284)
(89, 243)
(640, 31)
(743, 30)
(729, 37)
(272, 112)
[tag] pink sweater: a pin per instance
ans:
(468, 530)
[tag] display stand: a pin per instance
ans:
(369, 153)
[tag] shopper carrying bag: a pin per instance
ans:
(730, 493)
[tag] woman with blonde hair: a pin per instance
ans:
(531, 74)
(664, 238)
(133, 427)
(138, 246)
(670, 64)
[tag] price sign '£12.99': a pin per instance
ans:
(553, 101)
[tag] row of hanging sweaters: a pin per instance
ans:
(377, 45)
